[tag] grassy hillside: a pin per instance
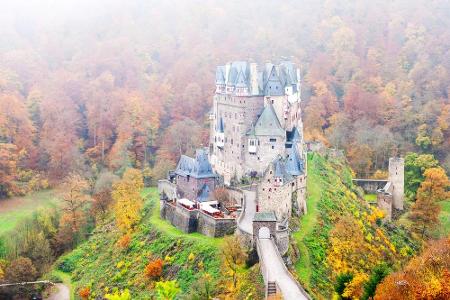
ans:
(15, 209)
(189, 258)
(332, 199)
(444, 217)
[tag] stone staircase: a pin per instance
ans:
(271, 288)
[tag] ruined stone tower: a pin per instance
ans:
(397, 178)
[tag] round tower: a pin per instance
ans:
(397, 178)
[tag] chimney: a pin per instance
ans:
(254, 78)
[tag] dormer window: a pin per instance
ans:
(252, 145)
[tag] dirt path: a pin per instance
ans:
(62, 292)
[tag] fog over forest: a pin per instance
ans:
(93, 87)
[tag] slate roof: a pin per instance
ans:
(280, 170)
(294, 163)
(267, 216)
(203, 194)
(283, 74)
(198, 167)
(293, 135)
(267, 124)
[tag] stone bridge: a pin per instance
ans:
(262, 233)
(370, 186)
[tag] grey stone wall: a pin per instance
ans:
(384, 202)
(397, 177)
(167, 188)
(196, 221)
(180, 217)
(282, 240)
(215, 227)
(237, 195)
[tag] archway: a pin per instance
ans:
(264, 233)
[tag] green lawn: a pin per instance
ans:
(15, 209)
(151, 197)
(371, 198)
(308, 221)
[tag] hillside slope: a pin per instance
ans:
(341, 232)
(192, 259)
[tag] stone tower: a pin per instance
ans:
(397, 178)
(255, 109)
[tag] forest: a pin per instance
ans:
(99, 99)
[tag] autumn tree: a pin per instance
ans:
(8, 170)
(435, 185)
(181, 137)
(75, 198)
(425, 211)
(415, 166)
(102, 198)
(128, 201)
(425, 277)
(223, 196)
(233, 257)
(21, 270)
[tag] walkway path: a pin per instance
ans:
(246, 223)
(270, 258)
(62, 292)
(277, 271)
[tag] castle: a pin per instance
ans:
(256, 133)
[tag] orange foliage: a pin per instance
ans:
(84, 292)
(124, 241)
(154, 268)
(425, 277)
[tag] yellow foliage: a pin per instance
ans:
(354, 289)
(129, 202)
(191, 256)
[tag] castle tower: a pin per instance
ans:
(397, 178)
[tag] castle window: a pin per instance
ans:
(273, 140)
(270, 172)
(272, 101)
(270, 189)
(273, 147)
(293, 184)
(268, 180)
